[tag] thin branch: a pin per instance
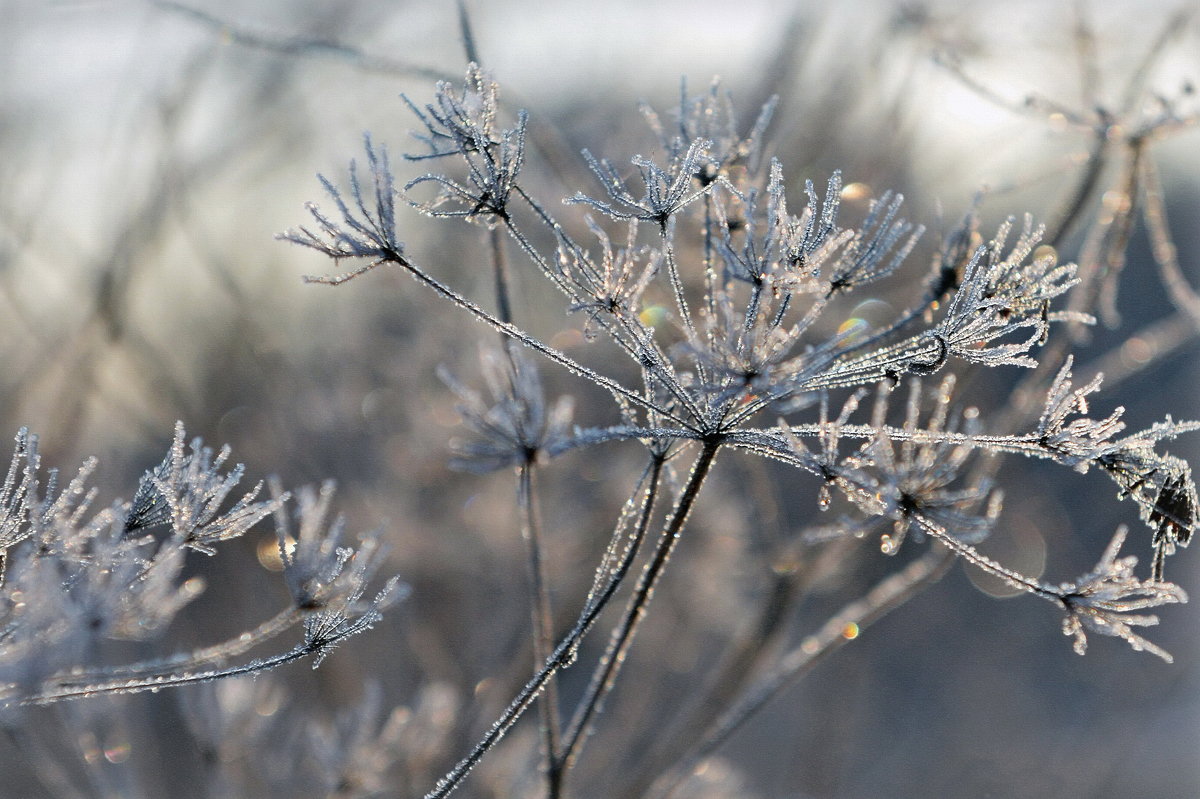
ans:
(563, 655)
(541, 623)
(609, 666)
(298, 45)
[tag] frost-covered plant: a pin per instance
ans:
(745, 360)
(77, 577)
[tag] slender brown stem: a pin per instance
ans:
(189, 661)
(542, 620)
(1154, 212)
(563, 654)
(609, 667)
(724, 687)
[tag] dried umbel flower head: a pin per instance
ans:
(739, 354)
(74, 580)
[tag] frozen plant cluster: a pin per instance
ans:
(712, 292)
(76, 575)
(730, 412)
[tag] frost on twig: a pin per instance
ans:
(187, 491)
(364, 232)
(459, 118)
(74, 581)
(1001, 297)
(1080, 441)
(1160, 484)
(319, 570)
(463, 122)
(668, 189)
(1105, 601)
(711, 117)
(613, 287)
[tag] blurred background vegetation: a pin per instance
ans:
(150, 152)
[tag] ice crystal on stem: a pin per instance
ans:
(710, 117)
(363, 232)
(668, 190)
(612, 287)
(1080, 441)
(1105, 601)
(187, 491)
(459, 119)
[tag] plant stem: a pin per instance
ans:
(563, 654)
(610, 664)
(541, 618)
(513, 332)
